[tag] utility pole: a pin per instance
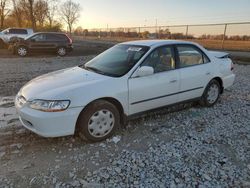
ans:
(156, 33)
(224, 36)
(107, 30)
(187, 32)
(145, 22)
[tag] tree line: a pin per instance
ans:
(160, 34)
(40, 15)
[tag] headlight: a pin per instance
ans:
(49, 106)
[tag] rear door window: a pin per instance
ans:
(55, 37)
(190, 55)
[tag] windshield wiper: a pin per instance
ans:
(93, 69)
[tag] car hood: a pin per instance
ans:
(52, 85)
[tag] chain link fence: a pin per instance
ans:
(231, 36)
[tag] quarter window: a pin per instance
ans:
(190, 55)
(54, 37)
(161, 59)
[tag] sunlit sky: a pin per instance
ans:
(125, 13)
(115, 13)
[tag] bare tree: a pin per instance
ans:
(40, 11)
(17, 12)
(3, 12)
(52, 8)
(70, 13)
(30, 6)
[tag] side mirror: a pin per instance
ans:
(144, 71)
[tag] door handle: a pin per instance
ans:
(173, 81)
(208, 73)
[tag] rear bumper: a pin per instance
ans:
(228, 80)
(70, 48)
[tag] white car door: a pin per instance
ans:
(195, 71)
(158, 89)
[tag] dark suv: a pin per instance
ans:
(59, 43)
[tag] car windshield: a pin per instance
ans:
(29, 36)
(4, 31)
(117, 60)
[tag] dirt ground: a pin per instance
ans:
(28, 160)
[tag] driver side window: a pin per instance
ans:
(161, 59)
(38, 37)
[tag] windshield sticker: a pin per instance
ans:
(134, 49)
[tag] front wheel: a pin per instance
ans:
(211, 93)
(22, 51)
(98, 121)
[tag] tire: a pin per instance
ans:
(211, 93)
(22, 51)
(61, 51)
(98, 121)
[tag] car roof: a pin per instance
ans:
(19, 28)
(152, 43)
(49, 33)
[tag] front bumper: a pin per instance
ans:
(49, 124)
(70, 48)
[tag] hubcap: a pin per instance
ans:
(101, 123)
(61, 51)
(213, 93)
(22, 51)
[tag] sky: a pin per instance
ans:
(129, 13)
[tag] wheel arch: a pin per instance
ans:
(113, 101)
(219, 80)
(22, 45)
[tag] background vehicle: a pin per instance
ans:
(8, 34)
(127, 79)
(44, 42)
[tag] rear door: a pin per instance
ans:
(195, 71)
(53, 40)
(158, 89)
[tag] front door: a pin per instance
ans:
(37, 42)
(158, 89)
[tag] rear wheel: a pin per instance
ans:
(61, 51)
(98, 121)
(211, 93)
(22, 51)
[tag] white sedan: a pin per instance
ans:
(95, 98)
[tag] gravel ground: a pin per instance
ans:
(182, 146)
(15, 72)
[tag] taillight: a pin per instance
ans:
(70, 40)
